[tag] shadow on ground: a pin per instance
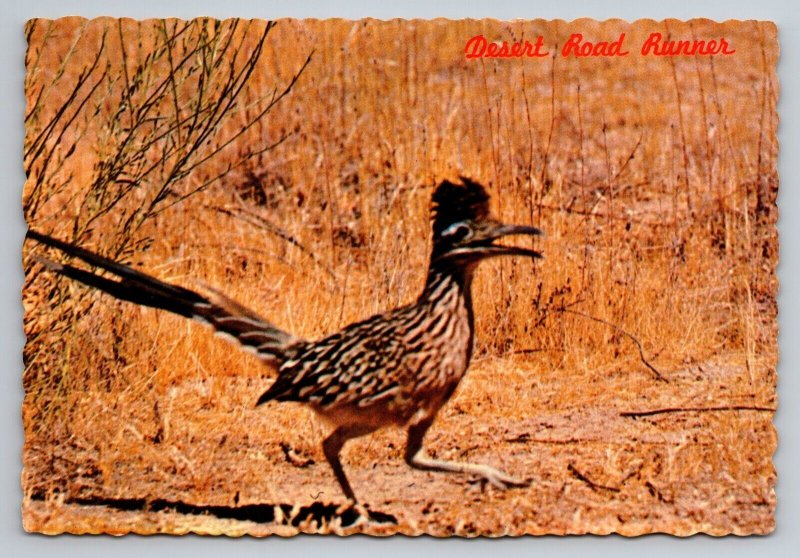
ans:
(282, 514)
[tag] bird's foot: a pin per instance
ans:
(498, 478)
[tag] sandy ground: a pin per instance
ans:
(593, 468)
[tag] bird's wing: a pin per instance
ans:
(362, 363)
(228, 318)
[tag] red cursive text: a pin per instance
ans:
(656, 46)
(576, 46)
(479, 47)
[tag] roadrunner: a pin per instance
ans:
(397, 368)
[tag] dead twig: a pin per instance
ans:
(593, 485)
(251, 218)
(679, 100)
(630, 157)
(294, 458)
(660, 377)
(605, 215)
(651, 412)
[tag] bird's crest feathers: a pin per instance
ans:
(453, 202)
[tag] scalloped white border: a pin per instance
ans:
(783, 542)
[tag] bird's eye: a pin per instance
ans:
(457, 231)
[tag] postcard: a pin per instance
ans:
(445, 277)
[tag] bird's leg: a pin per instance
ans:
(416, 457)
(333, 445)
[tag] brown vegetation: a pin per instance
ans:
(631, 373)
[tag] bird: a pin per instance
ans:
(397, 368)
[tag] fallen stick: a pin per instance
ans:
(637, 414)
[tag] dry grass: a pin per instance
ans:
(654, 178)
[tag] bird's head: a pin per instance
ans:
(463, 230)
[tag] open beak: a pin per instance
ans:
(486, 248)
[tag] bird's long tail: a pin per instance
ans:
(228, 318)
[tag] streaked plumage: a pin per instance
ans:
(397, 368)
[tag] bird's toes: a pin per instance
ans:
(503, 481)
(514, 482)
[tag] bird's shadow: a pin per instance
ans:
(281, 514)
